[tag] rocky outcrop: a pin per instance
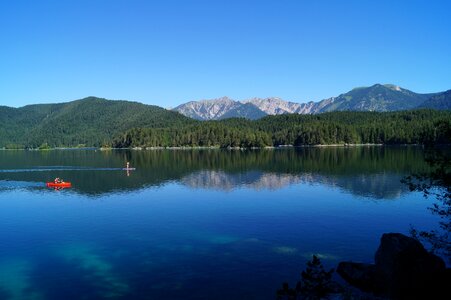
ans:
(254, 108)
(277, 106)
(358, 274)
(403, 269)
(207, 109)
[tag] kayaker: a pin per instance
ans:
(58, 180)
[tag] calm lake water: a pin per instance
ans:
(195, 224)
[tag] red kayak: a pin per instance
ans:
(60, 184)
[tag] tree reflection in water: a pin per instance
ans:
(436, 185)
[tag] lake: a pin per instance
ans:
(195, 224)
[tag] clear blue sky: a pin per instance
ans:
(169, 52)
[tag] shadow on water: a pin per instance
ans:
(365, 171)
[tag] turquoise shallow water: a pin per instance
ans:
(195, 224)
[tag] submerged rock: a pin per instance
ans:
(403, 269)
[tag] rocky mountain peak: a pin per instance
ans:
(378, 97)
(275, 105)
(207, 109)
(393, 87)
(221, 100)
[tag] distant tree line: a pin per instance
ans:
(402, 127)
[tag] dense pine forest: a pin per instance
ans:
(90, 122)
(403, 127)
(96, 122)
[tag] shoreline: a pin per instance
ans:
(227, 148)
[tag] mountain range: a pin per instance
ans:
(379, 97)
(95, 121)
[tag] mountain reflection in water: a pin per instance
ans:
(364, 171)
(380, 186)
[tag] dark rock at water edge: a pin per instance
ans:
(358, 274)
(403, 269)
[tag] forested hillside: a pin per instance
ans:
(90, 122)
(95, 122)
(405, 127)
